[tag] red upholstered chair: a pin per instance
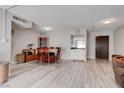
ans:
(44, 56)
(40, 52)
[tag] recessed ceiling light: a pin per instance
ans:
(47, 28)
(107, 21)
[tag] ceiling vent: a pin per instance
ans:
(19, 19)
(22, 22)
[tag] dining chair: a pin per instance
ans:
(40, 54)
(57, 54)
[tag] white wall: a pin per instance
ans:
(119, 41)
(21, 38)
(5, 48)
(57, 38)
(91, 42)
(62, 39)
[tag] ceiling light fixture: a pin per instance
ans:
(47, 28)
(107, 21)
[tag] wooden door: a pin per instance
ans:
(102, 47)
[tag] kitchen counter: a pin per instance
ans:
(78, 54)
(76, 48)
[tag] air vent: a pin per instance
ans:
(19, 19)
(22, 22)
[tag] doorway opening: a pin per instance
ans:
(102, 47)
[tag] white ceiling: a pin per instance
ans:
(67, 17)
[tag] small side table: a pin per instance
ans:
(4, 71)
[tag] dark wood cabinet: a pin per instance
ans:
(26, 56)
(29, 55)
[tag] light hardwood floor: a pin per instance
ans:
(67, 74)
